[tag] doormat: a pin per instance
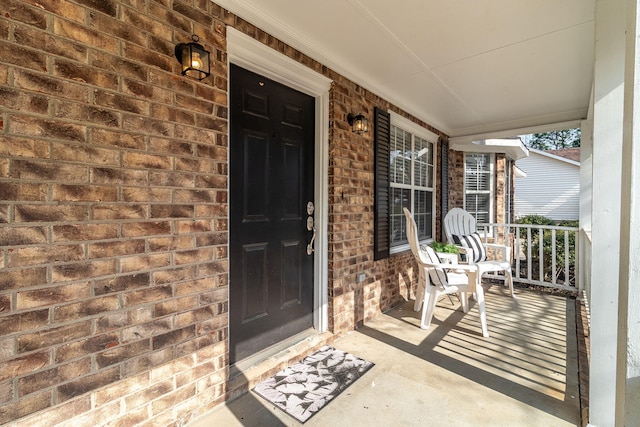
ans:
(304, 388)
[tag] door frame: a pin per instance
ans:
(254, 56)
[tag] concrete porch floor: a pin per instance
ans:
(525, 374)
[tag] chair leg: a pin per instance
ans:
(508, 280)
(420, 296)
(429, 307)
(464, 300)
(482, 310)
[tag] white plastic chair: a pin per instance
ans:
(459, 222)
(436, 279)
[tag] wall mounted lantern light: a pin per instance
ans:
(359, 123)
(194, 59)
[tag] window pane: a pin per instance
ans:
(400, 152)
(478, 172)
(423, 214)
(478, 205)
(400, 198)
(423, 166)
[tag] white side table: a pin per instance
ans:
(448, 258)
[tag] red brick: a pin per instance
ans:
(137, 229)
(51, 377)
(22, 101)
(122, 388)
(84, 193)
(52, 295)
(121, 283)
(84, 270)
(155, 294)
(87, 113)
(194, 256)
(118, 65)
(144, 262)
(188, 227)
(121, 353)
(86, 154)
(25, 406)
(53, 336)
(194, 316)
(147, 125)
(117, 139)
(92, 307)
(55, 87)
(114, 249)
(24, 57)
(16, 236)
(119, 211)
(15, 279)
(22, 147)
(172, 179)
(122, 103)
(147, 330)
(84, 35)
(85, 347)
(45, 255)
(173, 399)
(145, 396)
(163, 244)
(174, 275)
(149, 194)
(23, 322)
(140, 160)
(23, 192)
(174, 306)
(88, 383)
(50, 213)
(24, 365)
(59, 413)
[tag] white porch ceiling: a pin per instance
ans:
(467, 67)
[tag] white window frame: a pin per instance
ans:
(420, 132)
(492, 185)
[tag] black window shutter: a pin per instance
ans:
(382, 138)
(444, 184)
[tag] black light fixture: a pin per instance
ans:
(194, 59)
(359, 124)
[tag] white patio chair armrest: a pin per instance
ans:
(503, 249)
(459, 267)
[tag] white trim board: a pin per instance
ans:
(252, 55)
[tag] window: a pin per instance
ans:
(411, 180)
(478, 186)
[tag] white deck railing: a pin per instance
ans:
(542, 255)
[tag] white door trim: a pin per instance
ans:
(252, 55)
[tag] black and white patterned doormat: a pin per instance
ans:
(304, 388)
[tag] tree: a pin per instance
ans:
(569, 138)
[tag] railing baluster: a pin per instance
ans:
(554, 267)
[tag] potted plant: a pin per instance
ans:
(444, 248)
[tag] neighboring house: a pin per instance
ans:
(551, 187)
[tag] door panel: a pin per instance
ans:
(271, 182)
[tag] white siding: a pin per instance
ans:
(551, 187)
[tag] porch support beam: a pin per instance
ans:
(628, 378)
(608, 115)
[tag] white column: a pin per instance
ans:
(628, 378)
(607, 159)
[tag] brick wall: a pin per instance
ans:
(113, 212)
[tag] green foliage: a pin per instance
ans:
(444, 248)
(569, 138)
(547, 241)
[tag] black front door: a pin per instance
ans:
(271, 184)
